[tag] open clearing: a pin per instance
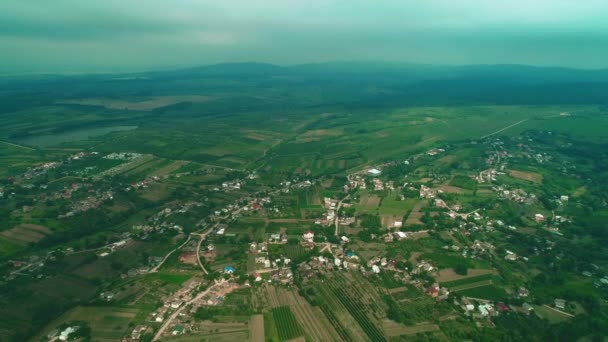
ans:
(451, 189)
(370, 200)
(550, 314)
(448, 274)
(529, 176)
(143, 104)
(170, 168)
(24, 234)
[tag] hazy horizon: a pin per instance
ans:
(68, 36)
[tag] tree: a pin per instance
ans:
(462, 268)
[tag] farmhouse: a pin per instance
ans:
(308, 236)
(401, 235)
(539, 218)
(560, 303)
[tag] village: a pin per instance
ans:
(348, 232)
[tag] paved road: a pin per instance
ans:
(155, 269)
(177, 312)
(504, 128)
(337, 219)
(16, 145)
(198, 249)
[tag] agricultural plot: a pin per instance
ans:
(368, 204)
(25, 234)
(63, 286)
(466, 280)
(394, 329)
(352, 306)
(107, 323)
(483, 291)
(551, 314)
(448, 275)
(416, 214)
(286, 323)
(391, 205)
(256, 328)
(218, 331)
(527, 175)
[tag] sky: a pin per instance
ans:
(131, 35)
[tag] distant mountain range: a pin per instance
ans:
(506, 72)
(344, 84)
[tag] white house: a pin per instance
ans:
(401, 235)
(308, 235)
(374, 172)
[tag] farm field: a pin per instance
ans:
(310, 319)
(256, 326)
(107, 323)
(24, 234)
(529, 176)
(448, 276)
(286, 324)
(393, 329)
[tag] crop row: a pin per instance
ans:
(287, 325)
(357, 310)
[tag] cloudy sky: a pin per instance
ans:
(121, 35)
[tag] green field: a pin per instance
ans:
(286, 323)
(490, 292)
(107, 323)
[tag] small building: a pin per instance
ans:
(433, 291)
(502, 307)
(560, 304)
(401, 235)
(308, 235)
(523, 292)
(178, 330)
(64, 335)
(374, 172)
(539, 218)
(527, 308)
(375, 269)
